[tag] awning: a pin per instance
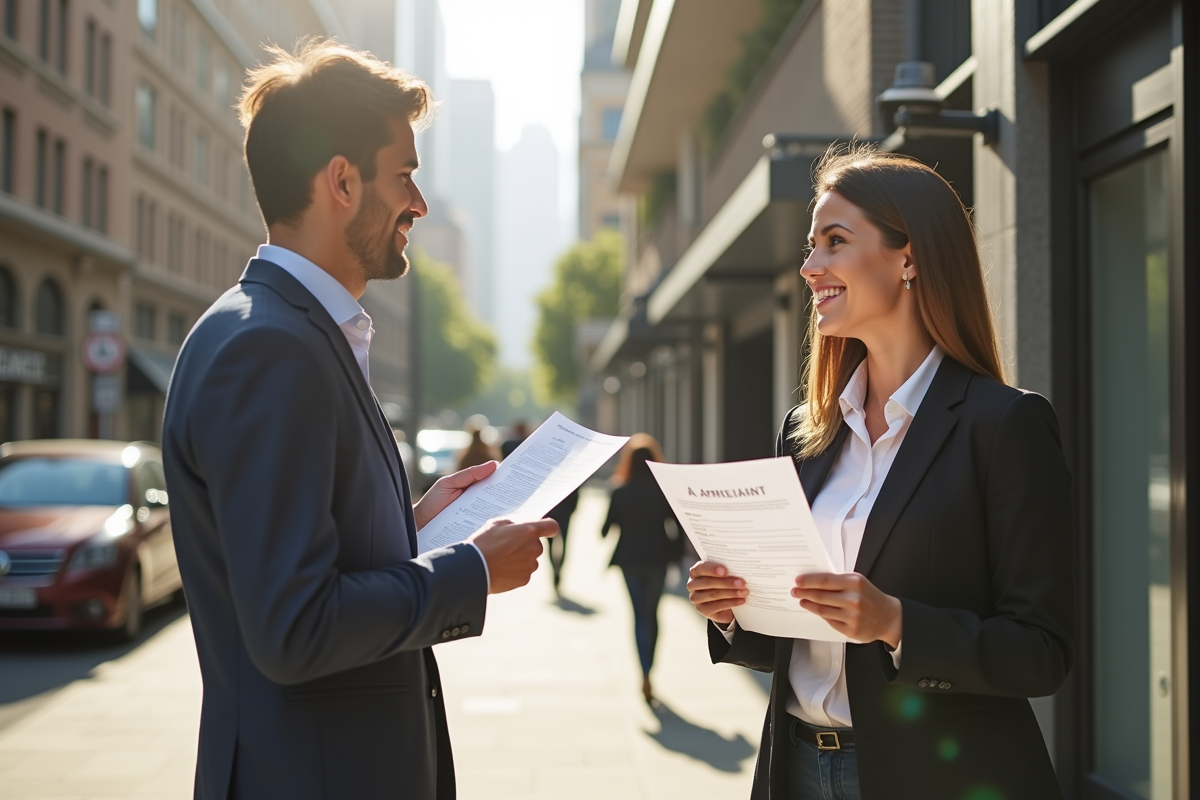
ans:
(153, 365)
(760, 231)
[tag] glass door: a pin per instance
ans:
(1131, 435)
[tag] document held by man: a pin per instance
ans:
(545, 468)
(752, 517)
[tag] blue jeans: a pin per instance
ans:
(645, 586)
(815, 774)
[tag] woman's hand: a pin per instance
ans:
(852, 605)
(714, 592)
(448, 489)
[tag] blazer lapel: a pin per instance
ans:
(259, 271)
(815, 471)
(922, 442)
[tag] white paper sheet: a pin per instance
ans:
(752, 517)
(553, 462)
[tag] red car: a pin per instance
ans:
(85, 536)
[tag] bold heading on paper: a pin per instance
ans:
(752, 491)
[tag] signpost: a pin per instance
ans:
(103, 353)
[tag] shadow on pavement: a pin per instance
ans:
(567, 604)
(38, 662)
(678, 735)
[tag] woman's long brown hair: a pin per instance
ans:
(909, 203)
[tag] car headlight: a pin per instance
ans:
(94, 556)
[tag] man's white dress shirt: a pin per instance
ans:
(346, 312)
(818, 669)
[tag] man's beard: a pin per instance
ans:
(374, 246)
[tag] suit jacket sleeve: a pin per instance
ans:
(1024, 648)
(263, 434)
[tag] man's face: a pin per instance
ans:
(391, 203)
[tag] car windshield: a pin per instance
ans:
(62, 482)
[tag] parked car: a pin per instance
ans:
(85, 535)
(437, 455)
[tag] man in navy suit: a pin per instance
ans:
(313, 613)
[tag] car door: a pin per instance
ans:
(152, 513)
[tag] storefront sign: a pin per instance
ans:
(23, 366)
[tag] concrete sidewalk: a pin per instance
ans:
(546, 704)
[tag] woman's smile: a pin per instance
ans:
(825, 295)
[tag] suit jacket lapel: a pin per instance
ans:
(815, 471)
(922, 442)
(259, 271)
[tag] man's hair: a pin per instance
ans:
(323, 100)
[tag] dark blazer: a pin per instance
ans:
(972, 530)
(641, 511)
(296, 542)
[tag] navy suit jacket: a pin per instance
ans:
(293, 523)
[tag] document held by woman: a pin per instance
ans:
(545, 468)
(753, 517)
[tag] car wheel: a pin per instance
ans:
(131, 625)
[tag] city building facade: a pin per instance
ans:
(1081, 178)
(603, 84)
(123, 189)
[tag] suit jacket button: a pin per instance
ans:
(924, 684)
(455, 631)
(944, 685)
(466, 629)
(446, 634)
(433, 691)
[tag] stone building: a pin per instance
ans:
(1083, 181)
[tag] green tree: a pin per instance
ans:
(458, 352)
(587, 285)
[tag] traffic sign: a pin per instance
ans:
(103, 352)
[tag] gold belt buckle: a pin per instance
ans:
(821, 741)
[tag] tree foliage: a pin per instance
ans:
(587, 285)
(457, 351)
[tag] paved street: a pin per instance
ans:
(546, 704)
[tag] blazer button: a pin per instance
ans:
(455, 631)
(466, 629)
(446, 634)
(924, 684)
(944, 685)
(433, 691)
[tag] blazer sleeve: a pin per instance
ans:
(1024, 649)
(754, 651)
(263, 435)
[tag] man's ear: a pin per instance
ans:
(341, 180)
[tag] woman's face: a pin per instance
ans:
(856, 280)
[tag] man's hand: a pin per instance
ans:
(853, 606)
(713, 591)
(448, 489)
(511, 551)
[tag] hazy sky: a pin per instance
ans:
(532, 52)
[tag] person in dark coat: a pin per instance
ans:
(644, 548)
(557, 546)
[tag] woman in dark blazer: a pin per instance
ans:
(639, 509)
(944, 497)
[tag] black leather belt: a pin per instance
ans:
(824, 738)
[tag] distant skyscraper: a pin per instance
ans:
(603, 87)
(530, 236)
(470, 116)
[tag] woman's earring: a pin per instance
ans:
(907, 282)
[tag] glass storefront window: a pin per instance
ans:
(1131, 477)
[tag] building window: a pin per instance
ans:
(145, 317)
(8, 148)
(175, 134)
(10, 18)
(61, 55)
(86, 190)
(176, 329)
(178, 47)
(97, 53)
(104, 70)
(221, 82)
(8, 299)
(200, 158)
(89, 57)
(50, 318)
(147, 110)
(610, 123)
(59, 175)
(203, 65)
(175, 243)
(144, 221)
(45, 414)
(203, 251)
(41, 167)
(221, 174)
(147, 11)
(44, 30)
(102, 199)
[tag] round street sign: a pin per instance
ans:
(103, 351)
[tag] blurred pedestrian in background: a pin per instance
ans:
(644, 549)
(519, 432)
(557, 545)
(478, 451)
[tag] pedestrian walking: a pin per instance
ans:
(557, 545)
(644, 547)
(943, 497)
(478, 451)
